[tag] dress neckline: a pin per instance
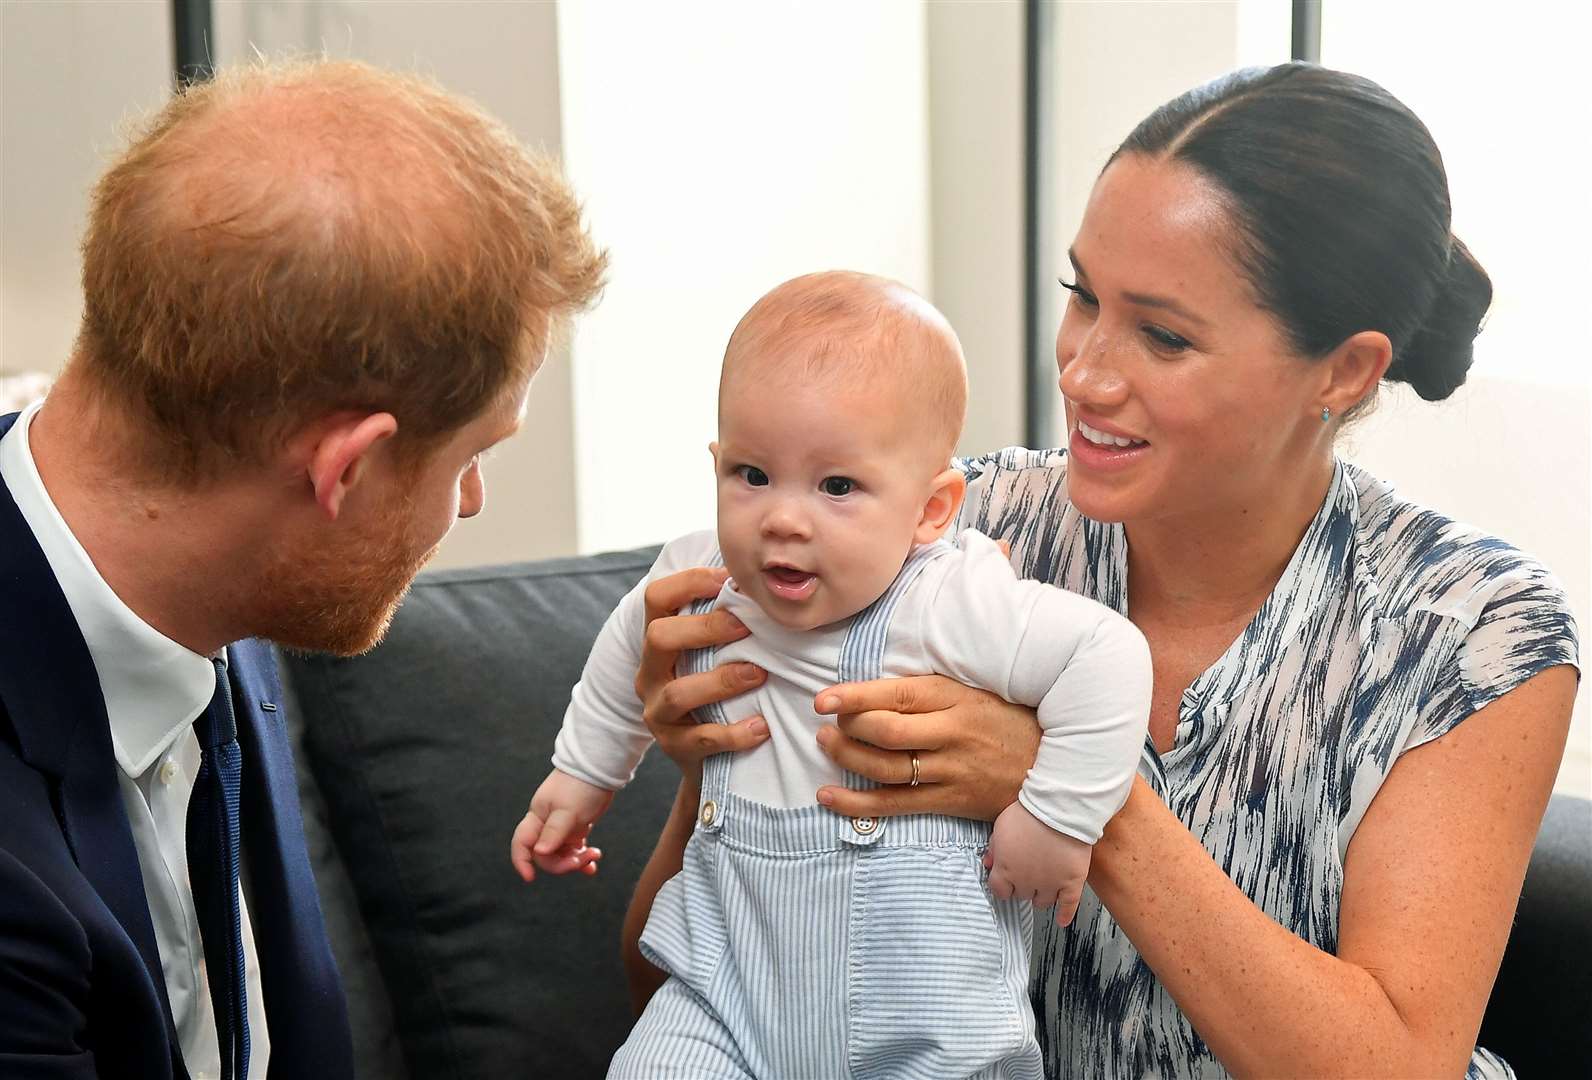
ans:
(1315, 573)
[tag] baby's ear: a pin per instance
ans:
(946, 492)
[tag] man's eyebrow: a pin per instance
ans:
(1149, 300)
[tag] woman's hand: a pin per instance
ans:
(667, 700)
(973, 748)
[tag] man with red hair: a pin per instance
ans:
(314, 294)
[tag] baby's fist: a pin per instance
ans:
(1031, 861)
(552, 835)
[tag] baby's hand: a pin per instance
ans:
(553, 832)
(1031, 861)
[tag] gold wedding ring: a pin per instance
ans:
(916, 769)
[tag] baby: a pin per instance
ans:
(800, 943)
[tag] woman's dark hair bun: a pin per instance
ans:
(1439, 353)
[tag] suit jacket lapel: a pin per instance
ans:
(52, 691)
(304, 1001)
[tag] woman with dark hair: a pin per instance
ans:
(1359, 704)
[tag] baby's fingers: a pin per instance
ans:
(1000, 884)
(571, 859)
(560, 824)
(1067, 902)
(522, 845)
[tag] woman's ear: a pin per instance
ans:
(341, 455)
(1354, 369)
(946, 492)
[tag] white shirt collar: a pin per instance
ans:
(153, 687)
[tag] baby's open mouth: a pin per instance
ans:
(789, 583)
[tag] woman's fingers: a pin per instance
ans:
(897, 731)
(693, 742)
(974, 749)
(917, 694)
(668, 633)
(676, 633)
(888, 766)
(673, 702)
(669, 594)
(880, 802)
(667, 702)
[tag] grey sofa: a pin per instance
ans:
(417, 760)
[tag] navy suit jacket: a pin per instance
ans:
(81, 989)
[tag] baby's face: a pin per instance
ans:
(820, 492)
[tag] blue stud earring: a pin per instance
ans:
(1326, 414)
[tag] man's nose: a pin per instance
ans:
(472, 492)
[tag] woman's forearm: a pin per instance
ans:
(1264, 1000)
(667, 856)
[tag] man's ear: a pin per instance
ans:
(341, 456)
(941, 507)
(1354, 369)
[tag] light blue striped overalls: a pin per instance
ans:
(805, 946)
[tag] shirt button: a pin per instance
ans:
(864, 825)
(710, 810)
(168, 772)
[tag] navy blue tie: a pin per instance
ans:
(214, 849)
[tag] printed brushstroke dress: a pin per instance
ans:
(1389, 626)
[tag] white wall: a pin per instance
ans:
(69, 74)
(722, 148)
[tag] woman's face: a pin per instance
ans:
(1182, 396)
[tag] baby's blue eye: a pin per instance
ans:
(838, 486)
(753, 475)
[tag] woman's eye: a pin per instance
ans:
(753, 475)
(838, 486)
(1082, 295)
(1166, 339)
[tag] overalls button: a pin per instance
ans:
(710, 810)
(864, 825)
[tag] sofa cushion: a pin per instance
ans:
(427, 751)
(1540, 1016)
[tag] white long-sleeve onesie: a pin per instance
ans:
(965, 615)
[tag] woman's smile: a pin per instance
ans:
(1101, 446)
